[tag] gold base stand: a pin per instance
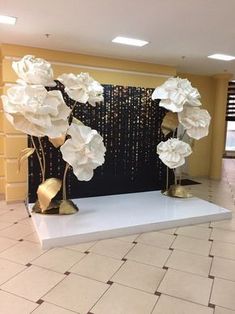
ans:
(63, 207)
(177, 190)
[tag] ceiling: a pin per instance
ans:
(174, 28)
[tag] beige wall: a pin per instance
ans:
(199, 161)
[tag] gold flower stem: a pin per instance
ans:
(67, 165)
(39, 158)
(43, 156)
(64, 181)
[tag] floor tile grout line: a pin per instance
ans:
(212, 286)
(187, 300)
(155, 305)
(134, 288)
(100, 298)
(141, 262)
(26, 268)
(187, 251)
(171, 252)
(226, 258)
(16, 239)
(13, 276)
(16, 295)
(69, 247)
(9, 246)
(188, 272)
(13, 261)
(64, 308)
(41, 297)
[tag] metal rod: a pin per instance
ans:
(175, 177)
(167, 178)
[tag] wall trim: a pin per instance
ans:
(88, 67)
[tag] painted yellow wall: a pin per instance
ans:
(2, 171)
(105, 70)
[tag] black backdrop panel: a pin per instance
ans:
(129, 122)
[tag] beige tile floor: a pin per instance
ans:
(187, 270)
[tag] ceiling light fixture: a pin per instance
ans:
(129, 41)
(220, 56)
(4, 19)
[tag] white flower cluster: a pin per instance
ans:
(82, 88)
(178, 95)
(173, 152)
(175, 93)
(84, 151)
(38, 112)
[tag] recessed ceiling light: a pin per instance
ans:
(130, 41)
(220, 56)
(4, 19)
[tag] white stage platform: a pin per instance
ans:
(119, 215)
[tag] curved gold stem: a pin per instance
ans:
(64, 181)
(67, 165)
(39, 158)
(43, 157)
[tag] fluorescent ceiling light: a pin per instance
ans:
(129, 41)
(4, 19)
(220, 56)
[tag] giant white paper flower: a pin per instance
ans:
(34, 71)
(33, 110)
(173, 152)
(175, 93)
(196, 121)
(192, 94)
(82, 88)
(84, 151)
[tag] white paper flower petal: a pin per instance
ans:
(173, 152)
(196, 121)
(35, 111)
(82, 88)
(34, 71)
(175, 93)
(84, 151)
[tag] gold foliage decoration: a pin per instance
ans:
(47, 190)
(67, 207)
(177, 191)
(24, 155)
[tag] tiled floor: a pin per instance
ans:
(189, 270)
